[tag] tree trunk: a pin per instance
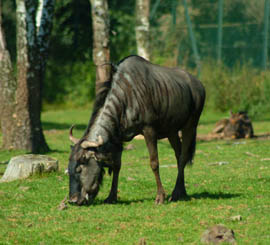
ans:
(142, 28)
(7, 92)
(32, 47)
(101, 52)
(26, 40)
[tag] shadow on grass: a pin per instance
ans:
(61, 126)
(56, 151)
(4, 163)
(207, 195)
(203, 195)
(122, 202)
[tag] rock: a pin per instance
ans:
(139, 137)
(236, 218)
(63, 205)
(218, 234)
(23, 166)
(142, 241)
(129, 147)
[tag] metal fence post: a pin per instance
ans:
(219, 36)
(174, 6)
(265, 34)
(154, 9)
(192, 38)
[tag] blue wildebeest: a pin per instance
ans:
(140, 98)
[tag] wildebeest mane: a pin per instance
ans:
(102, 92)
(103, 89)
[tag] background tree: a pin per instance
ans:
(21, 95)
(70, 73)
(142, 28)
(101, 39)
(7, 89)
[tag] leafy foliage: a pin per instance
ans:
(242, 88)
(70, 71)
(73, 84)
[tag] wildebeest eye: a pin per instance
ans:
(79, 169)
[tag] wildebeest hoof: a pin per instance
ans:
(110, 200)
(178, 196)
(160, 199)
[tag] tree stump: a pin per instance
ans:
(23, 166)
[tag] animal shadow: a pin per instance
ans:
(216, 196)
(203, 195)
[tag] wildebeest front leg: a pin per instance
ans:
(112, 198)
(151, 142)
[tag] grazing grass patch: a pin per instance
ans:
(228, 178)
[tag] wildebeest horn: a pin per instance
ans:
(71, 137)
(86, 144)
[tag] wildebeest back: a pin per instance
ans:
(143, 93)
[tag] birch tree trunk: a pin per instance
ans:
(101, 39)
(143, 28)
(33, 30)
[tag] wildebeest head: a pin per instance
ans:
(86, 169)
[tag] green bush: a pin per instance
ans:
(70, 84)
(242, 88)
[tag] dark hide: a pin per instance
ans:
(85, 176)
(147, 99)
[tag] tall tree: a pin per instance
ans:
(7, 91)
(101, 39)
(142, 28)
(21, 95)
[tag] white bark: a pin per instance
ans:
(143, 28)
(44, 19)
(101, 52)
(39, 14)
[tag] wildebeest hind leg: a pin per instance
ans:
(187, 151)
(151, 142)
(179, 189)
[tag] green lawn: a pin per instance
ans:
(228, 178)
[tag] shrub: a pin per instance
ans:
(241, 88)
(72, 83)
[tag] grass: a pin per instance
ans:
(240, 186)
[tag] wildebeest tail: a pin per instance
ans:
(191, 150)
